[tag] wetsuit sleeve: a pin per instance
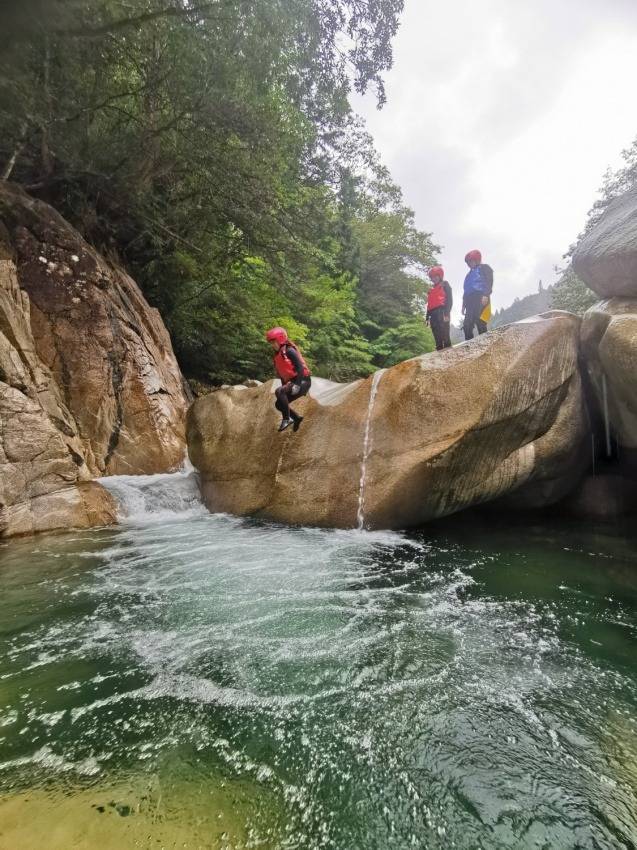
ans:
(487, 277)
(448, 297)
(296, 362)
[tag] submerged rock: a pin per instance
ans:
(606, 256)
(503, 414)
(609, 346)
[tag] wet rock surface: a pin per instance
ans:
(609, 348)
(88, 381)
(606, 257)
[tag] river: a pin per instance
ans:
(194, 681)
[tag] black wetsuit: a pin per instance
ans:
(436, 318)
(294, 389)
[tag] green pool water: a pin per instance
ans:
(196, 681)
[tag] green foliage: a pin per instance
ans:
(210, 145)
(615, 184)
(570, 293)
(409, 339)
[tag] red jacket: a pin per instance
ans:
(440, 295)
(437, 297)
(284, 363)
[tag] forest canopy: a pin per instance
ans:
(210, 147)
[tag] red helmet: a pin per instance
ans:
(436, 271)
(473, 256)
(279, 335)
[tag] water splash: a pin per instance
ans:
(367, 447)
(155, 498)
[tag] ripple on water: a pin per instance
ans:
(318, 688)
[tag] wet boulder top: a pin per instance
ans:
(606, 257)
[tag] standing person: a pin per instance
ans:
(294, 375)
(478, 285)
(439, 304)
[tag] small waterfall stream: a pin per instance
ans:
(367, 447)
(606, 417)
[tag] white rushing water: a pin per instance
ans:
(367, 447)
(156, 498)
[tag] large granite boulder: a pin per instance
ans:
(606, 257)
(501, 415)
(609, 346)
(107, 350)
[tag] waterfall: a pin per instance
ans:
(606, 417)
(367, 447)
(156, 498)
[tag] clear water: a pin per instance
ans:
(196, 681)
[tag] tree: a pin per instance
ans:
(408, 339)
(614, 184)
(210, 146)
(570, 293)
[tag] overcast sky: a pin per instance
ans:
(502, 117)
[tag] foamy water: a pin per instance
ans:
(315, 689)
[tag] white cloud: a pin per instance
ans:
(501, 120)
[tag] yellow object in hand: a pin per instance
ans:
(485, 315)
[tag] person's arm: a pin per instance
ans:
(296, 362)
(448, 298)
(487, 277)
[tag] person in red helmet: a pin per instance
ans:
(478, 285)
(294, 374)
(439, 304)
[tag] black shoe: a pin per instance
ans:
(285, 423)
(297, 423)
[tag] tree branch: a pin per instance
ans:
(22, 140)
(138, 20)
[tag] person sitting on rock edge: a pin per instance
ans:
(294, 375)
(476, 300)
(439, 304)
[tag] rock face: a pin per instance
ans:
(606, 257)
(609, 346)
(88, 381)
(108, 351)
(503, 415)
(44, 481)
(602, 497)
